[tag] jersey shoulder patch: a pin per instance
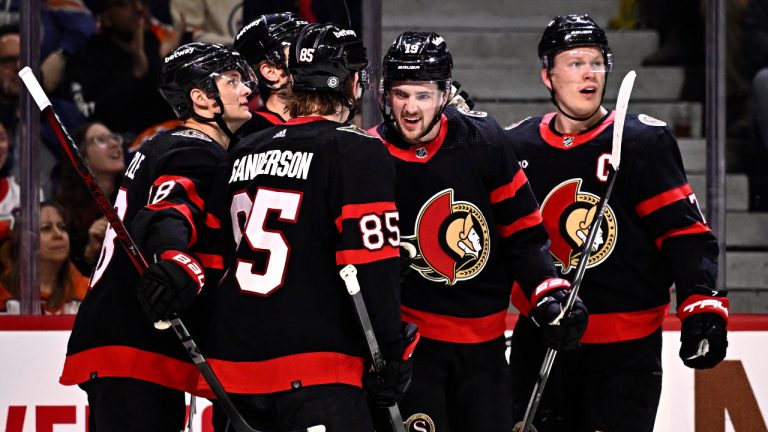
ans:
(192, 133)
(516, 124)
(478, 114)
(356, 130)
(650, 121)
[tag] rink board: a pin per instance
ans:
(735, 393)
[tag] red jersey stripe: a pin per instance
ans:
(696, 228)
(184, 210)
(622, 326)
(510, 189)
(524, 222)
(663, 199)
(454, 329)
(364, 256)
(188, 186)
(356, 211)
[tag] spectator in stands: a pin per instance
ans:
(114, 78)
(755, 49)
(212, 21)
(9, 186)
(62, 286)
(67, 25)
(102, 150)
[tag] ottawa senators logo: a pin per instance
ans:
(568, 213)
(450, 238)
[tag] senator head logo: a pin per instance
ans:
(568, 213)
(451, 239)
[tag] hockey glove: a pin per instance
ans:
(704, 340)
(388, 387)
(566, 334)
(169, 286)
(460, 99)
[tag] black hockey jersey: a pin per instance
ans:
(653, 233)
(468, 211)
(261, 119)
(307, 198)
(164, 202)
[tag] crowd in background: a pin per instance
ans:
(99, 65)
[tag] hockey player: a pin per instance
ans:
(653, 235)
(264, 43)
(135, 375)
(468, 215)
(307, 198)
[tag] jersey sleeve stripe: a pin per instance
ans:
(212, 221)
(696, 228)
(356, 211)
(184, 211)
(364, 256)
(211, 261)
(663, 199)
(188, 186)
(510, 189)
(524, 222)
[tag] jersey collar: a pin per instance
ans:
(271, 117)
(308, 119)
(420, 153)
(567, 141)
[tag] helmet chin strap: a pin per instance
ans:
(217, 118)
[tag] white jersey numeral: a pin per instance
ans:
(287, 204)
(108, 246)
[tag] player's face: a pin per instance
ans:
(54, 239)
(104, 150)
(414, 106)
(578, 79)
(234, 95)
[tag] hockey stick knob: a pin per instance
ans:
(34, 88)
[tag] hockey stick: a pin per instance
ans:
(549, 358)
(70, 149)
(349, 275)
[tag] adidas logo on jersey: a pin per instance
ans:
(280, 134)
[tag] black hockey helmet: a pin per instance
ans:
(196, 65)
(418, 56)
(572, 31)
(265, 37)
(323, 57)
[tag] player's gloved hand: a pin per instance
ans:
(169, 286)
(388, 387)
(704, 340)
(460, 98)
(566, 334)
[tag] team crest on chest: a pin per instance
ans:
(568, 213)
(451, 239)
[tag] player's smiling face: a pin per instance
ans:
(414, 105)
(578, 79)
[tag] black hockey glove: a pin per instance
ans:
(460, 98)
(388, 387)
(169, 286)
(567, 334)
(704, 340)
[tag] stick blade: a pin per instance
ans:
(622, 102)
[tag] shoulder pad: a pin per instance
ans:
(650, 121)
(478, 114)
(516, 124)
(356, 130)
(192, 133)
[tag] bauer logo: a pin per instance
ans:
(179, 53)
